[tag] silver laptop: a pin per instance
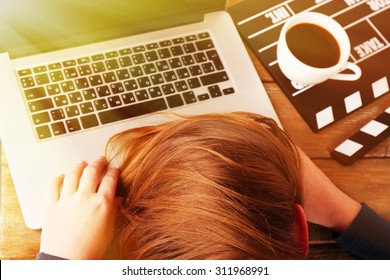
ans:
(74, 73)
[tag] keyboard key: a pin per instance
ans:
(100, 104)
(39, 69)
(165, 43)
(27, 82)
(203, 35)
(157, 79)
(81, 83)
(181, 86)
(213, 55)
(83, 60)
(188, 60)
(72, 111)
(75, 97)
(125, 51)
(204, 96)
(34, 93)
(149, 68)
(177, 50)
(24, 72)
(58, 128)
(86, 108)
(69, 63)
(53, 89)
(95, 80)
(195, 70)
(109, 77)
(151, 56)
(114, 101)
(189, 97)
(215, 91)
(174, 63)
(112, 54)
(208, 67)
(103, 91)
(204, 45)
(178, 40)
(89, 121)
(43, 132)
(68, 86)
(191, 38)
(175, 101)
(41, 118)
(170, 76)
(71, 73)
(152, 46)
(98, 67)
(133, 110)
(89, 93)
(125, 61)
(200, 57)
(128, 98)
(73, 125)
(56, 76)
(138, 58)
(139, 49)
(136, 71)
(85, 70)
(141, 95)
(168, 89)
(57, 114)
(97, 57)
(117, 88)
(214, 78)
(130, 85)
(112, 64)
(54, 66)
(189, 48)
(42, 79)
(183, 73)
(155, 92)
(123, 74)
(227, 91)
(164, 53)
(61, 100)
(144, 82)
(40, 105)
(193, 83)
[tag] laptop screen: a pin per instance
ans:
(29, 27)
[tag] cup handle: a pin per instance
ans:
(357, 72)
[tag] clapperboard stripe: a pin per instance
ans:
(370, 135)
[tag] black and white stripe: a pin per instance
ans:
(370, 135)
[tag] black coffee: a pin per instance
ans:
(313, 45)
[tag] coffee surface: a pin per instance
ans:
(313, 45)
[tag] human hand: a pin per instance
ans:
(324, 203)
(80, 212)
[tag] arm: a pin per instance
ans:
(324, 203)
(80, 212)
(361, 231)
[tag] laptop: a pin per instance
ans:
(74, 73)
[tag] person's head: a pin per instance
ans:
(216, 186)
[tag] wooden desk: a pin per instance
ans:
(367, 180)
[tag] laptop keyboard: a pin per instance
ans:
(85, 92)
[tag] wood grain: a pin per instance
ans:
(367, 180)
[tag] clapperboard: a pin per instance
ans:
(368, 26)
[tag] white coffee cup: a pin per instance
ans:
(302, 73)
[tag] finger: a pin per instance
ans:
(109, 183)
(92, 175)
(72, 179)
(54, 190)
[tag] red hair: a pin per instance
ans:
(216, 186)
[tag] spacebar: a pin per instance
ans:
(131, 111)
